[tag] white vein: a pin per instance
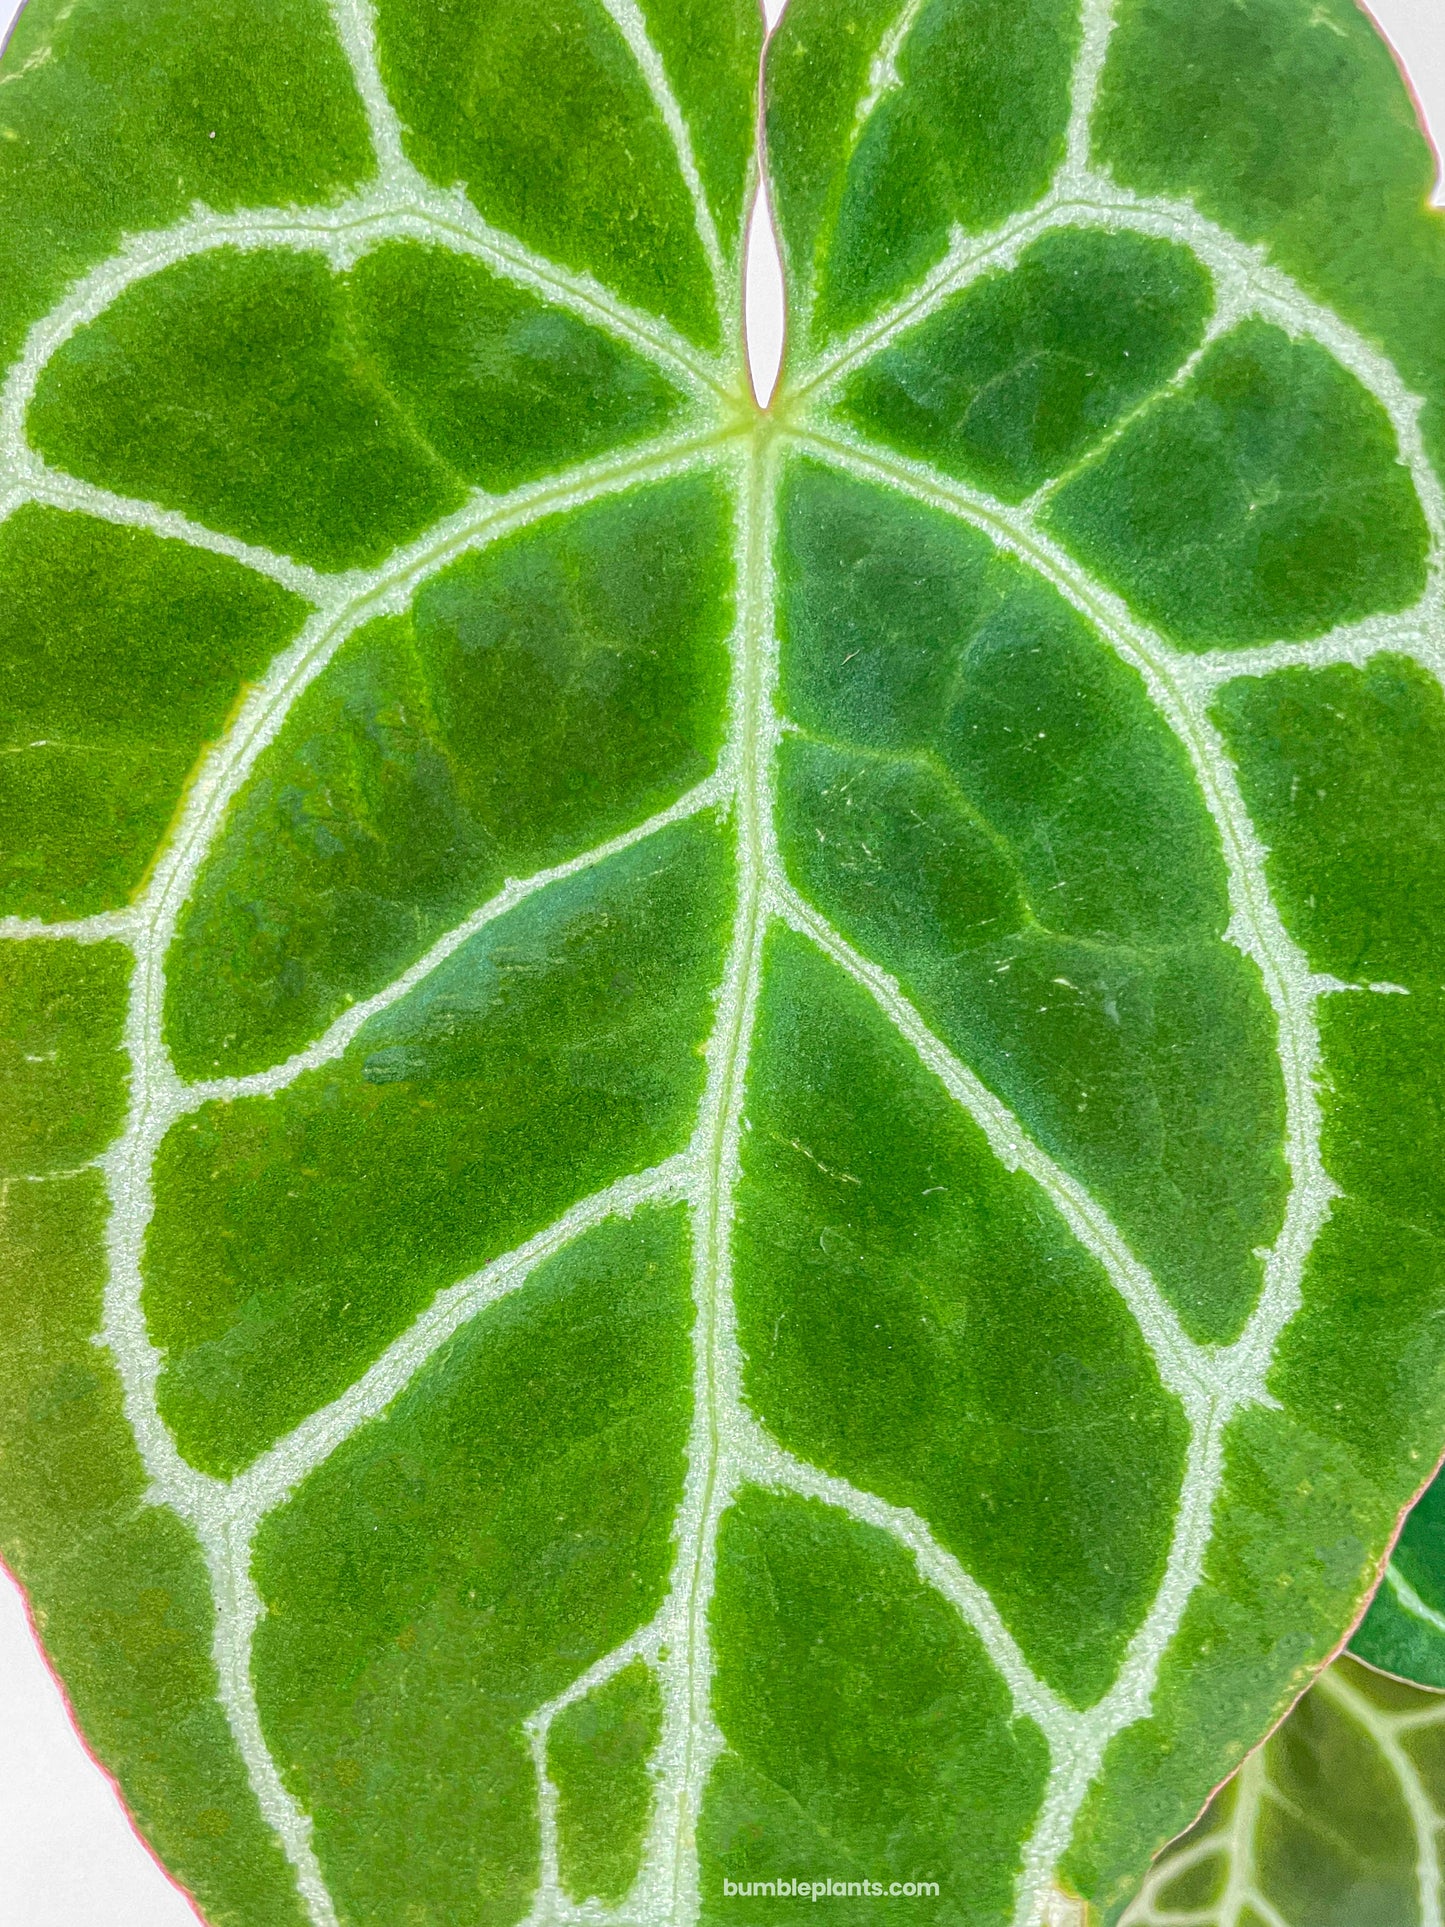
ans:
(1096, 27)
(1219, 323)
(337, 1039)
(691, 1739)
(52, 488)
(270, 1480)
(356, 30)
(1186, 1368)
(238, 1613)
(628, 19)
(107, 926)
(883, 75)
(1411, 1601)
(1354, 645)
(770, 1466)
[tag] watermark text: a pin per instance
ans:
(829, 1889)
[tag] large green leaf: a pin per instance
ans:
(720, 1129)
(1334, 1822)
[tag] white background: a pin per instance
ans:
(68, 1857)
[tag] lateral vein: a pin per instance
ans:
(270, 1480)
(769, 1464)
(628, 19)
(337, 1038)
(1186, 1368)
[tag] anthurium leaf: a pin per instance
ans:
(1335, 1819)
(1404, 1631)
(719, 1126)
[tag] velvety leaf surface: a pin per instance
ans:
(720, 1128)
(1334, 1822)
(123, 654)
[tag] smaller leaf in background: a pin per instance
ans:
(1333, 1822)
(1404, 1630)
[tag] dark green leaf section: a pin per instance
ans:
(464, 1559)
(1015, 378)
(710, 55)
(331, 417)
(552, 1054)
(539, 108)
(501, 386)
(115, 120)
(120, 656)
(869, 1737)
(1287, 121)
(1319, 1828)
(1396, 1639)
(1396, 1635)
(984, 800)
(118, 1587)
(1343, 772)
(1266, 500)
(541, 696)
(967, 130)
(919, 1321)
(598, 1751)
(229, 388)
(1310, 1499)
(62, 1075)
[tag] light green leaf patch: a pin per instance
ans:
(719, 1126)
